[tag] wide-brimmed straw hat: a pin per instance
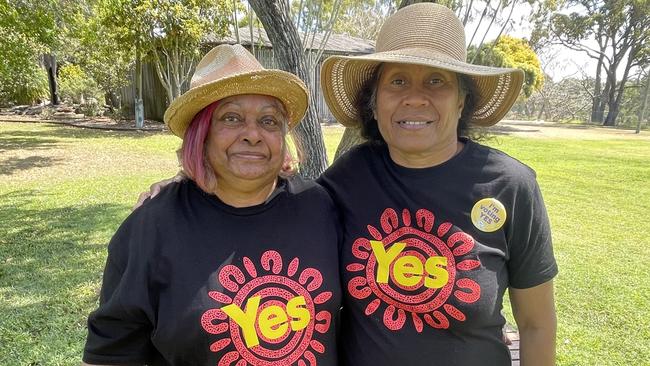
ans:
(421, 34)
(229, 70)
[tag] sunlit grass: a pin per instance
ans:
(64, 191)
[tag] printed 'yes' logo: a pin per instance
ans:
(271, 315)
(409, 268)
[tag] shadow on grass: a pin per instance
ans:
(12, 165)
(51, 263)
(52, 250)
(66, 131)
(17, 140)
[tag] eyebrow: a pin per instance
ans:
(265, 106)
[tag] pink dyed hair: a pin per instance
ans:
(192, 152)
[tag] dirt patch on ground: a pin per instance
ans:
(540, 129)
(536, 129)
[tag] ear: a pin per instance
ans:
(461, 104)
(374, 113)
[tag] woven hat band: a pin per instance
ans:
(423, 26)
(230, 70)
(222, 62)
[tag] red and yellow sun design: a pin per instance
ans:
(420, 271)
(270, 286)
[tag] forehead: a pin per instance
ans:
(410, 69)
(251, 101)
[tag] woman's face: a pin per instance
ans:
(417, 113)
(246, 139)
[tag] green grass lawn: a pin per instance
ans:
(64, 191)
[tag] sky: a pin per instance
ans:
(560, 63)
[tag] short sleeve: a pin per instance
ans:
(531, 261)
(119, 331)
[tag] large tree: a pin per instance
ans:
(620, 30)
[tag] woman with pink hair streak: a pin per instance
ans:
(238, 264)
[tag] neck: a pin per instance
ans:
(428, 159)
(245, 193)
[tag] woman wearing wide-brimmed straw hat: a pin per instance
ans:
(239, 263)
(436, 226)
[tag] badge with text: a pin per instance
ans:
(488, 215)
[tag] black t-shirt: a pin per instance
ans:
(428, 253)
(190, 280)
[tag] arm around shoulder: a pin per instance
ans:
(534, 312)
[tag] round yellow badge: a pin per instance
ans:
(488, 215)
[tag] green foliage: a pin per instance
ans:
(27, 87)
(29, 29)
(514, 53)
(101, 54)
(76, 86)
(22, 81)
(166, 32)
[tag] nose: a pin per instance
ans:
(251, 133)
(415, 97)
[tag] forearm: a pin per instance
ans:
(537, 345)
(534, 311)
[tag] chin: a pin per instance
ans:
(255, 171)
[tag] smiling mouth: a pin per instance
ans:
(249, 155)
(414, 123)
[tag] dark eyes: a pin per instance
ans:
(268, 122)
(434, 80)
(231, 118)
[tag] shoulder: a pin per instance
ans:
(302, 189)
(163, 208)
(156, 218)
(359, 153)
(355, 160)
(498, 162)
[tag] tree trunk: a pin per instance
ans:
(287, 49)
(139, 106)
(596, 116)
(541, 111)
(50, 65)
(611, 96)
(351, 137)
(644, 102)
(598, 105)
(615, 104)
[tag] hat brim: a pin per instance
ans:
(285, 86)
(343, 76)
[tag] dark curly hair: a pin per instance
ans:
(366, 103)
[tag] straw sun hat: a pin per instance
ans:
(421, 34)
(231, 70)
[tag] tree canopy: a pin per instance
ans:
(514, 53)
